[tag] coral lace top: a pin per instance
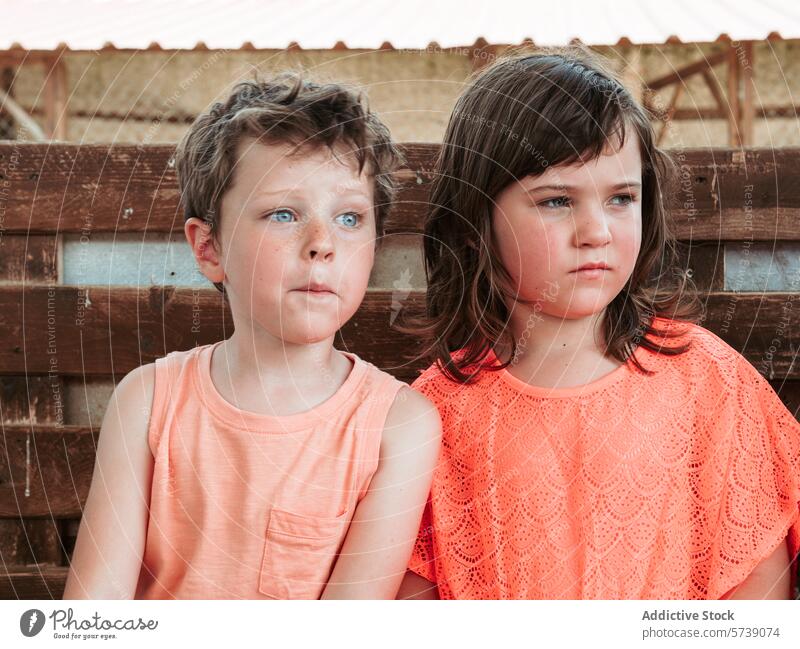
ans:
(673, 485)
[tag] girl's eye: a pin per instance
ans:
(350, 219)
(281, 216)
(622, 199)
(555, 203)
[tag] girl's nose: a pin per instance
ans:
(591, 227)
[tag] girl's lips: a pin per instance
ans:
(591, 273)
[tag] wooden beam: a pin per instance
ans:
(734, 127)
(123, 328)
(28, 127)
(748, 106)
(687, 71)
(33, 582)
(676, 95)
(104, 188)
(46, 470)
(56, 98)
(632, 73)
(716, 92)
(129, 188)
(76, 331)
(762, 112)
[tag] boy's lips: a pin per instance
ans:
(316, 287)
(316, 291)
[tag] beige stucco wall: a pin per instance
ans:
(414, 91)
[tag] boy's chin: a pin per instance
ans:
(307, 333)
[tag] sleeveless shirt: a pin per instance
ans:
(247, 505)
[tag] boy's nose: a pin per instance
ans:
(319, 242)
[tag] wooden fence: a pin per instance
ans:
(729, 202)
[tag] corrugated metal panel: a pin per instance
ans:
(405, 24)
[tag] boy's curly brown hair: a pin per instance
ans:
(284, 109)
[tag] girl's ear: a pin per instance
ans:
(204, 249)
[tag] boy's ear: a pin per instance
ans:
(204, 249)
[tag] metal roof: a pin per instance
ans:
(398, 24)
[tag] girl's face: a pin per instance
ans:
(579, 216)
(298, 240)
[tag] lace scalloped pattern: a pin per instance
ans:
(669, 486)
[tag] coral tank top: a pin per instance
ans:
(673, 485)
(252, 506)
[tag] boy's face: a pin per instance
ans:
(549, 226)
(297, 236)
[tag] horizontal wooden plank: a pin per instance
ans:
(69, 331)
(32, 398)
(33, 582)
(27, 541)
(62, 479)
(732, 194)
(723, 194)
(764, 328)
(133, 188)
(46, 470)
(29, 258)
(100, 331)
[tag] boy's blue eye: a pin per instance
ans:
(352, 219)
(281, 214)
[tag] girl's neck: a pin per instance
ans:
(554, 352)
(272, 377)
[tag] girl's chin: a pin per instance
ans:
(581, 311)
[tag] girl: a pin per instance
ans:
(596, 444)
(267, 465)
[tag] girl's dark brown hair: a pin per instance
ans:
(519, 117)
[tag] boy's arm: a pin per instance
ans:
(378, 545)
(108, 552)
(415, 586)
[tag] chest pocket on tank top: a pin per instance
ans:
(299, 553)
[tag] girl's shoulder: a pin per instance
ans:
(440, 388)
(703, 348)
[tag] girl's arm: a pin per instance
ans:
(378, 545)
(108, 552)
(770, 579)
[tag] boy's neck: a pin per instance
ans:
(555, 352)
(276, 378)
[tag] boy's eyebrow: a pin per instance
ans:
(626, 184)
(282, 192)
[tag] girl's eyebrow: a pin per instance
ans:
(625, 184)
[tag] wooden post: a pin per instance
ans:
(56, 98)
(734, 138)
(748, 108)
(632, 73)
(673, 104)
